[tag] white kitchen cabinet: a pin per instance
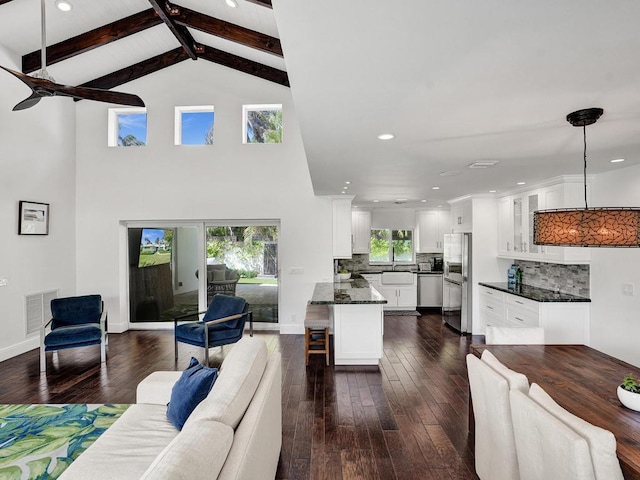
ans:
(358, 331)
(399, 297)
(361, 231)
(563, 322)
(505, 227)
(431, 225)
(342, 227)
(461, 216)
(516, 229)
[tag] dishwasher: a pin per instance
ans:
(430, 290)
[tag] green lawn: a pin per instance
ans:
(269, 281)
(154, 259)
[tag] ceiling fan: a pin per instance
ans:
(43, 85)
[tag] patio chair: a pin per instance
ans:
(77, 322)
(223, 323)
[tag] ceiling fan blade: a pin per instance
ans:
(31, 82)
(28, 102)
(42, 87)
(99, 95)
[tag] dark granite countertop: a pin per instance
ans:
(535, 293)
(353, 291)
(430, 273)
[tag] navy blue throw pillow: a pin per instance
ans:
(191, 388)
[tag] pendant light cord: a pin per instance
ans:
(584, 136)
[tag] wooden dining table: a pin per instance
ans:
(583, 381)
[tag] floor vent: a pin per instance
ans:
(38, 309)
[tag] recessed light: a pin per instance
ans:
(492, 191)
(231, 3)
(617, 160)
(435, 188)
(348, 182)
(423, 201)
(376, 201)
(439, 206)
(521, 183)
(64, 5)
(386, 136)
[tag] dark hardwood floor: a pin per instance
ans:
(407, 419)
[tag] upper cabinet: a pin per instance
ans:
(515, 224)
(342, 227)
(431, 225)
(461, 213)
(361, 231)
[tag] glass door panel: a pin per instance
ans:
(242, 260)
(163, 261)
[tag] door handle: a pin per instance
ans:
(518, 318)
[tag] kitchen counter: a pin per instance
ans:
(430, 273)
(358, 320)
(535, 293)
(353, 291)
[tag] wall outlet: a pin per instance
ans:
(627, 289)
(4, 282)
(179, 284)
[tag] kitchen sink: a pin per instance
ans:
(397, 278)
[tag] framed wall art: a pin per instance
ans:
(33, 218)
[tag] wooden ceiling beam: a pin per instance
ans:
(264, 3)
(243, 65)
(92, 39)
(228, 31)
(166, 11)
(139, 69)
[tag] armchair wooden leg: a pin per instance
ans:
(43, 359)
(103, 351)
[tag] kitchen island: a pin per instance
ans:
(356, 309)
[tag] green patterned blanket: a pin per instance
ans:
(38, 442)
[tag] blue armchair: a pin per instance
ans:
(223, 323)
(75, 322)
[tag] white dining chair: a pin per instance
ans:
(514, 335)
(602, 443)
(495, 451)
(547, 448)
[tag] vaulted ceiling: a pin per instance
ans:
(456, 82)
(105, 44)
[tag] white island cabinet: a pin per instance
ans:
(356, 310)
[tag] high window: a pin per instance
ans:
(391, 246)
(127, 127)
(262, 124)
(194, 125)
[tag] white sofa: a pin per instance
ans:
(234, 433)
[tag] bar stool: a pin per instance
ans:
(316, 331)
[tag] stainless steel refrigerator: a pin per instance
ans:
(456, 282)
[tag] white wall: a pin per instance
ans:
(485, 266)
(36, 164)
(186, 259)
(615, 318)
(228, 180)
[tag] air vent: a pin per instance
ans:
(38, 309)
(450, 173)
(483, 164)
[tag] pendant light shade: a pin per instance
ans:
(593, 227)
(588, 227)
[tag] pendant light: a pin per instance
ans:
(587, 227)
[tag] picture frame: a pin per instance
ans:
(33, 218)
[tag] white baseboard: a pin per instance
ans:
(292, 329)
(19, 348)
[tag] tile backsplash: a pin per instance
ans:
(572, 279)
(360, 262)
